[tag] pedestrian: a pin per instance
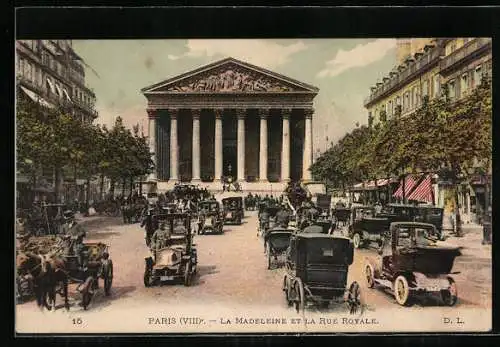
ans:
(73, 234)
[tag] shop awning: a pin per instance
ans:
(423, 192)
(370, 185)
(36, 98)
(410, 182)
(66, 94)
(51, 85)
(59, 91)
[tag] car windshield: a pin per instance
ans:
(424, 237)
(179, 226)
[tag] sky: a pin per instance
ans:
(342, 69)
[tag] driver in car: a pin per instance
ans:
(160, 238)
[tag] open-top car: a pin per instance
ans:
(414, 262)
(317, 266)
(276, 243)
(210, 219)
(178, 258)
(233, 209)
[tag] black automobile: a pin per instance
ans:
(233, 210)
(414, 213)
(414, 263)
(317, 266)
(366, 227)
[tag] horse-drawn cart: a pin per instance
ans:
(97, 264)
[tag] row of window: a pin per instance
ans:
(461, 86)
(412, 99)
(35, 74)
(456, 44)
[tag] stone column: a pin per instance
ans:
(218, 144)
(263, 145)
(285, 146)
(240, 114)
(174, 146)
(308, 150)
(196, 144)
(152, 115)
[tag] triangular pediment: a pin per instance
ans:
(230, 76)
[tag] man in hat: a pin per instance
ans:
(73, 233)
(160, 238)
(149, 223)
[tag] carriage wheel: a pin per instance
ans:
(269, 257)
(286, 290)
(354, 297)
(300, 300)
(402, 290)
(187, 275)
(450, 296)
(370, 276)
(108, 277)
(148, 277)
(87, 293)
(356, 240)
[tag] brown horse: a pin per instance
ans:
(47, 273)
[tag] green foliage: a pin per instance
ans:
(442, 136)
(56, 140)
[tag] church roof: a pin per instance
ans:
(230, 75)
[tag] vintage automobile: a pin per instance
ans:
(415, 213)
(365, 228)
(317, 266)
(210, 218)
(178, 259)
(276, 242)
(324, 202)
(233, 210)
(341, 216)
(414, 263)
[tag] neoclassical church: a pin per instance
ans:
(230, 118)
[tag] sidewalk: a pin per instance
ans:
(471, 241)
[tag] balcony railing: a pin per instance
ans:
(404, 76)
(467, 50)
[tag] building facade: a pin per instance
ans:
(406, 48)
(457, 63)
(231, 118)
(51, 73)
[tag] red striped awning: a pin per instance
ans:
(424, 191)
(411, 181)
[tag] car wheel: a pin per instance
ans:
(269, 258)
(370, 276)
(402, 290)
(450, 296)
(354, 297)
(187, 275)
(356, 240)
(148, 278)
(300, 300)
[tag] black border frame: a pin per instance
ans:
(230, 22)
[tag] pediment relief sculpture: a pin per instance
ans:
(230, 79)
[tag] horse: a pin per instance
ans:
(46, 272)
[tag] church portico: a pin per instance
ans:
(230, 118)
